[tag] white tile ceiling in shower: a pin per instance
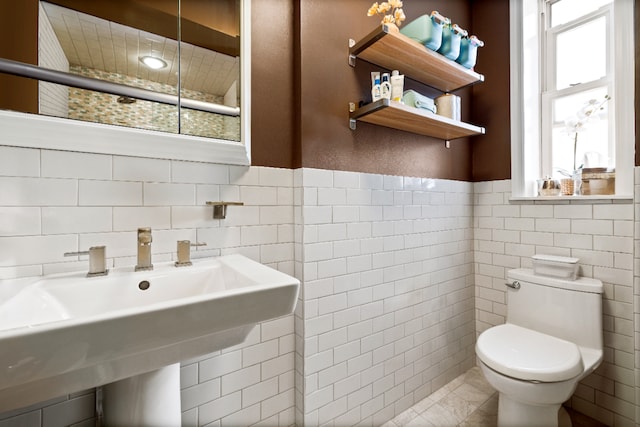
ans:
(103, 45)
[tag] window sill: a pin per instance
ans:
(581, 199)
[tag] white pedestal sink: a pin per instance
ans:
(64, 333)
(151, 399)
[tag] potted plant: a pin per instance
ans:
(574, 125)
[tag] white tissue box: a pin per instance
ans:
(555, 266)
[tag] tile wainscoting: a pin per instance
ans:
(387, 305)
(399, 276)
(53, 202)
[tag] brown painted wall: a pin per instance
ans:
(636, 31)
(490, 100)
(307, 124)
(273, 112)
(19, 24)
(328, 84)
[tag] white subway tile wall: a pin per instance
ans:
(387, 305)
(601, 234)
(392, 269)
(53, 202)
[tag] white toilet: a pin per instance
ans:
(551, 340)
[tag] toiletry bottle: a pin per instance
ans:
(375, 86)
(397, 86)
(385, 86)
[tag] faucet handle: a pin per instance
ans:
(184, 252)
(97, 260)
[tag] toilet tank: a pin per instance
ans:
(567, 309)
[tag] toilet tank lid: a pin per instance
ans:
(556, 258)
(582, 284)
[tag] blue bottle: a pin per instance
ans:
(451, 37)
(469, 51)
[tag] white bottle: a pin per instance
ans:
(375, 86)
(385, 86)
(397, 86)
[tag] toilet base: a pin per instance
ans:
(517, 414)
(564, 420)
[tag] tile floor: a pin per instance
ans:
(467, 401)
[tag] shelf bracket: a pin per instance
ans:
(352, 57)
(352, 122)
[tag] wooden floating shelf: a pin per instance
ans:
(389, 48)
(396, 115)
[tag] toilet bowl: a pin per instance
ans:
(534, 373)
(551, 340)
(538, 406)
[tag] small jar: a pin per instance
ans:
(567, 186)
(548, 187)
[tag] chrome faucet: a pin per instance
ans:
(144, 249)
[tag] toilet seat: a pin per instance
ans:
(528, 355)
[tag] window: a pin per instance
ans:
(571, 80)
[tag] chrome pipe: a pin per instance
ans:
(59, 77)
(208, 107)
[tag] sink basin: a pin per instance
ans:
(64, 333)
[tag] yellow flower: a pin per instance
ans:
(388, 19)
(384, 7)
(396, 15)
(373, 9)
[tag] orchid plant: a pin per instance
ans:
(396, 15)
(576, 124)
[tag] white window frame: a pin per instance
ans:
(526, 101)
(549, 78)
